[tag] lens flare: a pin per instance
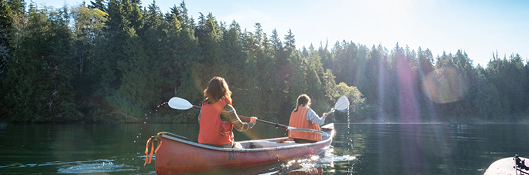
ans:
(445, 85)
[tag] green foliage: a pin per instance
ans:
(511, 81)
(119, 61)
(6, 28)
(290, 41)
(37, 86)
(487, 99)
(98, 4)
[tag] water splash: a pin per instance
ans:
(323, 162)
(75, 167)
(100, 166)
(147, 119)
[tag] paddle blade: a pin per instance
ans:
(179, 103)
(342, 103)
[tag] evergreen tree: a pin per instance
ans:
(153, 16)
(276, 42)
(174, 14)
(290, 41)
(98, 4)
(258, 34)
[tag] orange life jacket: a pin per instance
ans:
(212, 129)
(299, 120)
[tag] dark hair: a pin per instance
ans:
(303, 99)
(217, 89)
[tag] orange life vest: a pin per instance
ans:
(212, 129)
(299, 120)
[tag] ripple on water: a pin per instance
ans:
(97, 166)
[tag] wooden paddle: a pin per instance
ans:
(183, 104)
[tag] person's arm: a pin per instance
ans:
(229, 114)
(314, 118)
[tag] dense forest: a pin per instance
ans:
(119, 61)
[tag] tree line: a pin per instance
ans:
(119, 61)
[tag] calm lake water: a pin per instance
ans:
(357, 148)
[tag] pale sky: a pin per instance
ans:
(478, 27)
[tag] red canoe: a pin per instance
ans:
(176, 155)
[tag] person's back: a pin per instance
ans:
(304, 117)
(213, 130)
(298, 120)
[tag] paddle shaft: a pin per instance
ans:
(284, 126)
(265, 122)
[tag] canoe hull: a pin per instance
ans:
(178, 156)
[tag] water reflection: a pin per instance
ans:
(357, 148)
(325, 163)
(118, 149)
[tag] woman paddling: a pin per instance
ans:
(304, 117)
(218, 117)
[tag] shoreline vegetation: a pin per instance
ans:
(119, 61)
